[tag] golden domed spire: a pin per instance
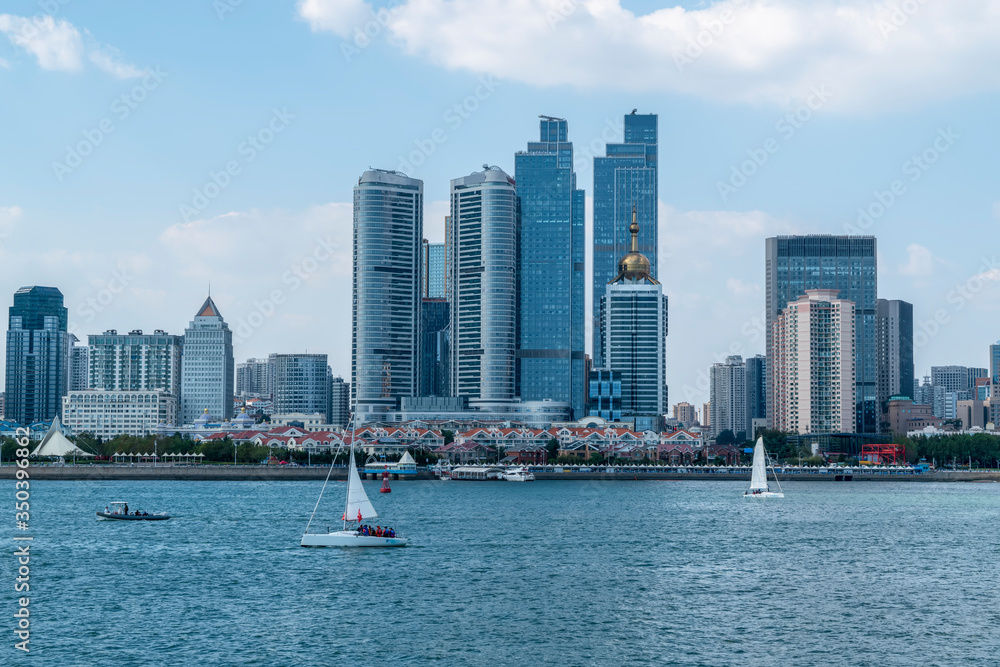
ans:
(634, 266)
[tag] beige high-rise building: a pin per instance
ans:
(814, 369)
(685, 413)
(706, 414)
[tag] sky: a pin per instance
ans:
(152, 152)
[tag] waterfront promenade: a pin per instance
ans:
(209, 472)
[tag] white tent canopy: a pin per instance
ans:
(56, 444)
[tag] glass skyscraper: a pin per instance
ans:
(435, 348)
(483, 237)
(625, 178)
(207, 367)
(301, 384)
(794, 264)
(551, 270)
(894, 345)
(432, 270)
(37, 355)
(388, 232)
(995, 363)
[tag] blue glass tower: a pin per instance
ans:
(625, 177)
(37, 355)
(551, 361)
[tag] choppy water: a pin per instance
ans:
(567, 573)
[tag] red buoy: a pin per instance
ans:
(385, 483)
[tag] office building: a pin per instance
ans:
(604, 394)
(37, 355)
(706, 415)
(110, 413)
(686, 414)
(995, 364)
(795, 264)
(634, 332)
(340, 402)
(79, 365)
(301, 384)
(728, 396)
(483, 241)
(385, 333)
(756, 391)
(960, 380)
(432, 271)
(255, 378)
(207, 366)
(551, 300)
(894, 350)
(812, 361)
(435, 348)
(625, 178)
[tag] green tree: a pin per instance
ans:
(449, 436)
(552, 449)
(726, 437)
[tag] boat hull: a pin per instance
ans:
(766, 494)
(107, 516)
(349, 538)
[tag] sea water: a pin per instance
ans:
(499, 573)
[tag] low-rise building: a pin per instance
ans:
(906, 416)
(107, 414)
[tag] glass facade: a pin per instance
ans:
(388, 231)
(301, 384)
(894, 350)
(794, 264)
(208, 371)
(756, 389)
(432, 271)
(483, 239)
(604, 395)
(625, 177)
(551, 270)
(435, 348)
(995, 363)
(37, 355)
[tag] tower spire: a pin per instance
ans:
(634, 228)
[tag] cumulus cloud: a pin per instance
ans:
(872, 53)
(919, 262)
(59, 45)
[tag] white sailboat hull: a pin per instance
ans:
(764, 494)
(349, 538)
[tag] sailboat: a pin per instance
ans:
(358, 509)
(758, 477)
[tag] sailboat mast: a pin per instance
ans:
(350, 462)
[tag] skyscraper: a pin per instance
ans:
(37, 355)
(728, 396)
(79, 365)
(551, 308)
(624, 179)
(483, 246)
(301, 384)
(756, 390)
(432, 273)
(207, 366)
(137, 362)
(686, 414)
(812, 365)
(894, 345)
(847, 264)
(435, 348)
(995, 364)
(388, 231)
(255, 378)
(340, 401)
(634, 332)
(960, 380)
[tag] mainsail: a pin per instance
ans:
(758, 477)
(357, 499)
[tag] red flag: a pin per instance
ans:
(359, 516)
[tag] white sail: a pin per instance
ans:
(758, 477)
(357, 499)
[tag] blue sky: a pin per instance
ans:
(134, 232)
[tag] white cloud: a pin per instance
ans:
(110, 60)
(920, 261)
(4, 64)
(741, 289)
(58, 45)
(870, 53)
(340, 17)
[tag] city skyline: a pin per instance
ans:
(283, 223)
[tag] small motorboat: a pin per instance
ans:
(118, 512)
(519, 475)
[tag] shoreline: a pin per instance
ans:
(260, 473)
